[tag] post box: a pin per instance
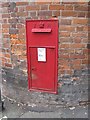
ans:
(42, 54)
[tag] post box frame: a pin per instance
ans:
(49, 46)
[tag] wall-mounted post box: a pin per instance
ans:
(42, 54)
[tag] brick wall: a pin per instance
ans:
(73, 32)
(0, 38)
(73, 37)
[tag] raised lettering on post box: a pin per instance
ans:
(42, 55)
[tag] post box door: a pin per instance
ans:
(42, 71)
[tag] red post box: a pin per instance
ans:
(42, 54)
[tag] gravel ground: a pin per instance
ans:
(17, 110)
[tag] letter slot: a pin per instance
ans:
(38, 30)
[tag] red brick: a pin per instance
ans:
(80, 34)
(87, 14)
(63, 62)
(64, 45)
(7, 55)
(6, 43)
(1, 54)
(77, 45)
(80, 21)
(8, 50)
(68, 7)
(77, 56)
(85, 40)
(81, 14)
(86, 28)
(8, 60)
(22, 14)
(13, 48)
(71, 51)
(65, 22)
(5, 30)
(17, 41)
(33, 7)
(67, 28)
(76, 67)
(44, 7)
(6, 36)
(13, 26)
(76, 62)
(64, 34)
(85, 61)
(60, 71)
(88, 61)
(65, 67)
(69, 13)
(5, 25)
(56, 13)
(13, 36)
(5, 15)
(77, 39)
(33, 13)
(13, 14)
(22, 9)
(62, 56)
(18, 49)
(4, 60)
(45, 13)
(22, 57)
(22, 30)
(66, 40)
(3, 64)
(3, 50)
(86, 51)
(56, 7)
(19, 25)
(81, 8)
(21, 36)
(79, 28)
(6, 4)
(13, 20)
(5, 20)
(64, 51)
(21, 3)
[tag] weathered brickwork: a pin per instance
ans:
(0, 37)
(73, 32)
(73, 38)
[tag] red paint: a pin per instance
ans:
(42, 75)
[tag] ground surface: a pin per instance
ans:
(16, 110)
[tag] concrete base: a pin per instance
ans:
(72, 92)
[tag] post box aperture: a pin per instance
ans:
(42, 54)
